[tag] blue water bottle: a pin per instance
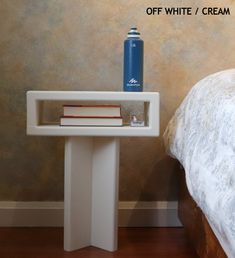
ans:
(133, 61)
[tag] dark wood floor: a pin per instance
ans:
(133, 243)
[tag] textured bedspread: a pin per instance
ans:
(201, 135)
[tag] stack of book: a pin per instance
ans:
(91, 115)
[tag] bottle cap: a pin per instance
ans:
(133, 33)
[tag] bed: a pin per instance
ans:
(201, 136)
(195, 223)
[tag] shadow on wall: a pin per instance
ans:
(161, 213)
(162, 173)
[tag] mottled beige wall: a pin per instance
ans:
(77, 45)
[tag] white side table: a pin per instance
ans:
(91, 164)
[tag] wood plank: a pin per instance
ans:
(133, 243)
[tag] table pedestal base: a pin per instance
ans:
(91, 192)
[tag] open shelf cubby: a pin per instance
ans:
(45, 107)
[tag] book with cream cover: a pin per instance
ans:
(91, 121)
(92, 110)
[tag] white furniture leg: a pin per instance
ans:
(77, 192)
(91, 192)
(105, 171)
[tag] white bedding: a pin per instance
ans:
(201, 135)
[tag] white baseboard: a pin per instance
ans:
(50, 214)
(31, 214)
(148, 214)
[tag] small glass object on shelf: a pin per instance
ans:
(135, 122)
